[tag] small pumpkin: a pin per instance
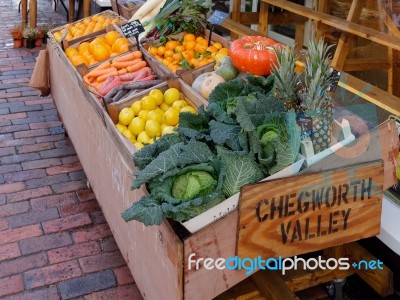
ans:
(226, 69)
(209, 84)
(196, 85)
(254, 54)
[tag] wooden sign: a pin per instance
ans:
(305, 213)
(132, 28)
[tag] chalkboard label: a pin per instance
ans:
(335, 75)
(133, 28)
(217, 17)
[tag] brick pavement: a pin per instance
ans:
(54, 240)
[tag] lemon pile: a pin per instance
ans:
(153, 116)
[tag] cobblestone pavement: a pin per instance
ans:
(54, 240)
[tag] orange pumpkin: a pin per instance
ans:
(254, 54)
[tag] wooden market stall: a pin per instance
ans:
(158, 255)
(33, 11)
(381, 29)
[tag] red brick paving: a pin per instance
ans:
(54, 240)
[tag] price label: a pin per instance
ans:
(217, 17)
(133, 28)
(335, 80)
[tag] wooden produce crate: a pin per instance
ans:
(90, 37)
(107, 13)
(95, 100)
(158, 255)
(126, 147)
(214, 38)
(124, 11)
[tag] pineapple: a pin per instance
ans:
(286, 80)
(313, 96)
(307, 92)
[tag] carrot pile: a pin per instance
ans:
(119, 71)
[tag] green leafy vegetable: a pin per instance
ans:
(193, 184)
(227, 134)
(147, 210)
(243, 135)
(241, 169)
(183, 181)
(280, 137)
(176, 156)
(194, 126)
(143, 157)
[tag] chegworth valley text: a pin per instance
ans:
(334, 197)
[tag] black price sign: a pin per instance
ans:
(217, 17)
(335, 76)
(133, 28)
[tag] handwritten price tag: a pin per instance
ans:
(133, 28)
(217, 17)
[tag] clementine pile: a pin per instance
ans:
(99, 49)
(191, 50)
(85, 27)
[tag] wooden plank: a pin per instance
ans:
(343, 46)
(301, 214)
(249, 18)
(393, 55)
(381, 280)
(296, 280)
(371, 93)
(214, 241)
(362, 64)
(272, 286)
(338, 23)
(242, 288)
(153, 253)
(238, 29)
(274, 18)
(300, 279)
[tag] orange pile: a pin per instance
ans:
(101, 48)
(85, 27)
(191, 50)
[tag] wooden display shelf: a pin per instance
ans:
(157, 255)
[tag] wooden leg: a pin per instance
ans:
(86, 8)
(263, 19)
(236, 6)
(394, 72)
(33, 13)
(299, 37)
(343, 46)
(71, 11)
(381, 280)
(272, 286)
(24, 12)
(323, 6)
